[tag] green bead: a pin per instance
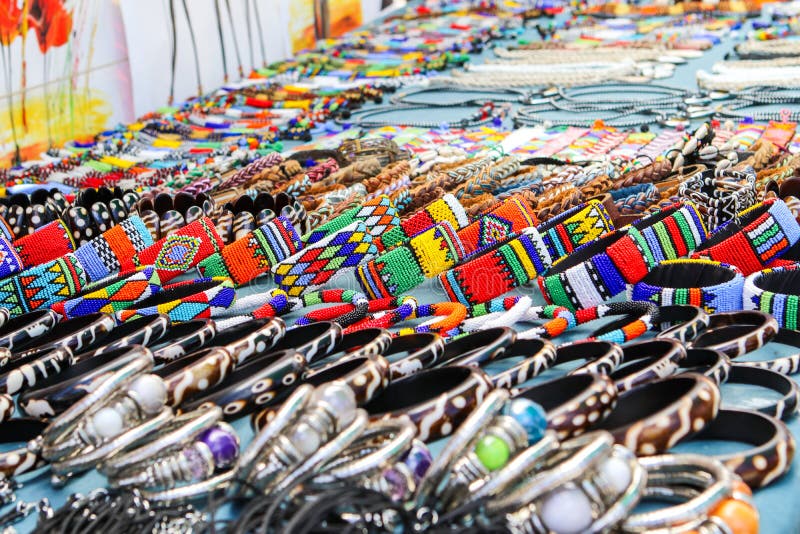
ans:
(493, 452)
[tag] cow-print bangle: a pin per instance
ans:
(314, 341)
(737, 333)
(369, 342)
(184, 338)
(783, 408)
(436, 400)
(537, 355)
(573, 402)
(413, 353)
(251, 338)
(20, 330)
(785, 365)
(773, 445)
(28, 370)
(195, 372)
(145, 331)
(708, 362)
(74, 334)
(477, 348)
(681, 322)
(19, 460)
(653, 417)
(646, 361)
(600, 356)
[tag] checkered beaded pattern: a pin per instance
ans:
(42, 286)
(378, 214)
(506, 218)
(209, 303)
(446, 209)
(104, 255)
(47, 243)
(575, 227)
(784, 306)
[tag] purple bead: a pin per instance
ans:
(223, 444)
(197, 464)
(418, 459)
(398, 485)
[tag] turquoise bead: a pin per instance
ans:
(530, 415)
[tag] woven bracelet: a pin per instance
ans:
(761, 234)
(406, 266)
(315, 265)
(180, 251)
(711, 285)
(446, 209)
(253, 254)
(111, 295)
(358, 301)
(47, 243)
(203, 298)
(575, 227)
(104, 255)
(505, 219)
(42, 286)
(777, 292)
(497, 270)
(378, 214)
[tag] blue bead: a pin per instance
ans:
(530, 415)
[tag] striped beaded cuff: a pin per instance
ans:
(42, 286)
(575, 227)
(711, 285)
(498, 269)
(11, 262)
(180, 251)
(505, 219)
(761, 234)
(378, 214)
(111, 295)
(203, 298)
(406, 266)
(672, 232)
(447, 208)
(254, 254)
(315, 265)
(104, 255)
(777, 292)
(47, 243)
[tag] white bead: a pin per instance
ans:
(108, 423)
(305, 439)
(567, 511)
(340, 399)
(616, 473)
(149, 392)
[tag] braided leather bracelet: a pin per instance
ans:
(777, 292)
(447, 208)
(185, 301)
(104, 255)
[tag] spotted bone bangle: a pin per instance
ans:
(776, 292)
(498, 269)
(185, 301)
(104, 255)
(406, 266)
(446, 209)
(42, 286)
(711, 285)
(47, 243)
(764, 232)
(250, 339)
(737, 333)
(195, 372)
(253, 254)
(20, 460)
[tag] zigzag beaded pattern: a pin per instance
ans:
(113, 297)
(42, 286)
(201, 305)
(575, 227)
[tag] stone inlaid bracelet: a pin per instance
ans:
(737, 333)
(776, 292)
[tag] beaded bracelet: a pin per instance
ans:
(406, 266)
(638, 318)
(111, 295)
(104, 255)
(42, 286)
(185, 301)
(711, 285)
(386, 312)
(777, 292)
(446, 209)
(359, 302)
(453, 314)
(11, 262)
(253, 254)
(378, 214)
(47, 243)
(504, 220)
(316, 264)
(575, 227)
(762, 233)
(497, 269)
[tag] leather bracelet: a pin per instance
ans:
(195, 372)
(111, 294)
(653, 417)
(47, 243)
(20, 460)
(314, 266)
(573, 402)
(646, 361)
(436, 400)
(419, 351)
(691, 320)
(737, 333)
(254, 253)
(446, 209)
(785, 365)
(707, 362)
(406, 266)
(249, 339)
(776, 292)
(73, 335)
(184, 338)
(772, 451)
(362, 343)
(537, 356)
(601, 357)
(25, 371)
(203, 298)
(711, 285)
(21, 330)
(497, 269)
(505, 219)
(358, 301)
(314, 341)
(762, 233)
(42, 286)
(569, 230)
(783, 408)
(104, 255)
(379, 214)
(145, 331)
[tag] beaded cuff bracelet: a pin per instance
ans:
(47, 243)
(447, 208)
(11, 261)
(763, 232)
(111, 295)
(507, 218)
(406, 266)
(254, 254)
(42, 286)
(777, 292)
(497, 270)
(575, 227)
(104, 255)
(316, 264)
(711, 285)
(185, 301)
(378, 214)
(385, 313)
(673, 231)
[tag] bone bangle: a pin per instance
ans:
(654, 359)
(20, 330)
(691, 320)
(709, 363)
(184, 338)
(73, 335)
(737, 333)
(602, 357)
(786, 406)
(250, 339)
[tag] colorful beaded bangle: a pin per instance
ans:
(762, 233)
(559, 320)
(714, 286)
(452, 313)
(777, 292)
(408, 265)
(277, 304)
(47, 243)
(185, 301)
(42, 286)
(509, 217)
(254, 254)
(498, 269)
(385, 313)
(575, 227)
(179, 251)
(358, 301)
(691, 320)
(378, 214)
(11, 262)
(104, 255)
(672, 232)
(111, 295)
(445, 209)
(496, 312)
(637, 319)
(316, 264)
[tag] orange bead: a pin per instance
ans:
(741, 487)
(740, 517)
